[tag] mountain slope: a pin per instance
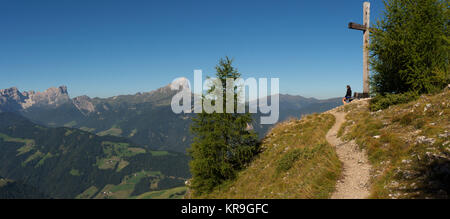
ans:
(69, 163)
(10, 189)
(407, 145)
(296, 162)
(146, 118)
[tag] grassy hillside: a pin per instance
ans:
(408, 146)
(147, 124)
(296, 162)
(70, 163)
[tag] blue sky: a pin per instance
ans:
(109, 47)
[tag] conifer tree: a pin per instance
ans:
(410, 47)
(222, 142)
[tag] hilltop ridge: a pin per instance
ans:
(406, 147)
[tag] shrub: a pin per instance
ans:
(381, 102)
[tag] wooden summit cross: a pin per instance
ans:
(365, 28)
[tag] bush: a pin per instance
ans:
(381, 102)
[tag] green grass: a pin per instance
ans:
(87, 129)
(288, 160)
(114, 131)
(88, 193)
(137, 150)
(75, 172)
(126, 187)
(122, 187)
(122, 164)
(70, 124)
(115, 154)
(159, 153)
(107, 163)
(120, 149)
(136, 177)
(29, 144)
(43, 159)
(34, 156)
(174, 193)
(291, 157)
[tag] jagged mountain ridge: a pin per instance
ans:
(12, 99)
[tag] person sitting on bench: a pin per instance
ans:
(348, 95)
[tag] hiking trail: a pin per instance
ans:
(354, 182)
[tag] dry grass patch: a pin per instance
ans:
(296, 162)
(408, 146)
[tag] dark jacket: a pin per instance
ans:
(349, 92)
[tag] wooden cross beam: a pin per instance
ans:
(356, 26)
(366, 30)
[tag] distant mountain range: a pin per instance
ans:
(145, 118)
(54, 146)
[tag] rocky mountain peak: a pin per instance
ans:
(84, 104)
(56, 91)
(172, 88)
(180, 83)
(9, 90)
(12, 99)
(12, 93)
(52, 97)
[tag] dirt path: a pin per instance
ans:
(356, 173)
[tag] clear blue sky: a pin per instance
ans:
(109, 47)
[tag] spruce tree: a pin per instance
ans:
(410, 47)
(222, 142)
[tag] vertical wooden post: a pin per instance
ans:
(366, 49)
